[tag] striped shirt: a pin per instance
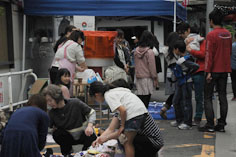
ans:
(152, 132)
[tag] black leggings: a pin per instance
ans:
(145, 99)
(169, 101)
(65, 140)
(144, 147)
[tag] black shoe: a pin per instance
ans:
(68, 155)
(219, 128)
(196, 123)
(206, 129)
(48, 152)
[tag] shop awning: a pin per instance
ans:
(103, 8)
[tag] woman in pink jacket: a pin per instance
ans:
(145, 68)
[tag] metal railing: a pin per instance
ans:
(28, 72)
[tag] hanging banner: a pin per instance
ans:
(185, 3)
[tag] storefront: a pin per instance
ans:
(109, 15)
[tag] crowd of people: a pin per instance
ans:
(212, 59)
(192, 61)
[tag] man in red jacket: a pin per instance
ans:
(217, 67)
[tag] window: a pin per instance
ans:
(6, 39)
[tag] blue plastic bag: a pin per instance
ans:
(155, 108)
(91, 80)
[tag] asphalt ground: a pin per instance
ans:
(178, 143)
(186, 143)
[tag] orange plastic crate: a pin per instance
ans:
(99, 44)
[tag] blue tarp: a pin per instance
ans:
(103, 8)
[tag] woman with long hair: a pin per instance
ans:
(64, 36)
(63, 80)
(145, 68)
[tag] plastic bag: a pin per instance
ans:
(88, 73)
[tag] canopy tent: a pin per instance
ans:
(103, 8)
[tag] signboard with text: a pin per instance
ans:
(85, 23)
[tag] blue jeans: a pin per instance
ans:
(198, 83)
(233, 80)
(135, 123)
(220, 81)
(183, 100)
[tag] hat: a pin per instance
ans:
(133, 37)
(44, 39)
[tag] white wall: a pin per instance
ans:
(124, 23)
(17, 42)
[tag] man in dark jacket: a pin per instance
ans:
(122, 54)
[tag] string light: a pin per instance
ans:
(226, 10)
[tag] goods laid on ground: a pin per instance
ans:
(110, 148)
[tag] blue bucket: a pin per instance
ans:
(155, 108)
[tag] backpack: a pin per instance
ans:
(113, 73)
(179, 74)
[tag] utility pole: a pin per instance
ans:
(174, 29)
(209, 8)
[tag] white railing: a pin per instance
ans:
(28, 72)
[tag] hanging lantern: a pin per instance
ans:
(230, 17)
(185, 3)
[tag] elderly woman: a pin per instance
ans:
(26, 131)
(72, 120)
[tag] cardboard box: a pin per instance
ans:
(38, 86)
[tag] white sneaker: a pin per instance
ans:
(174, 124)
(184, 127)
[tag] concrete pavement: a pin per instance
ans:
(184, 143)
(192, 143)
(225, 145)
